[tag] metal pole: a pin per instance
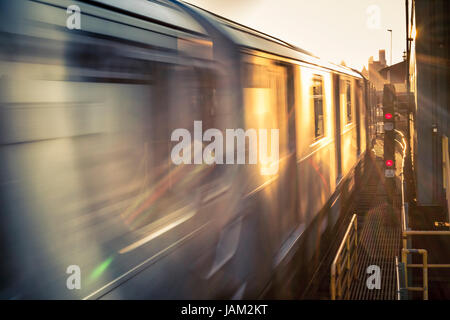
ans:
(425, 274)
(405, 263)
(390, 30)
(407, 53)
(408, 110)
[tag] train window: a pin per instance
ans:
(291, 109)
(349, 101)
(255, 76)
(105, 63)
(317, 95)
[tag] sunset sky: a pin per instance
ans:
(344, 30)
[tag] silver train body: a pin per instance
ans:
(86, 177)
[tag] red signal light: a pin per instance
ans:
(389, 163)
(388, 116)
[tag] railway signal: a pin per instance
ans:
(389, 125)
(389, 172)
(389, 98)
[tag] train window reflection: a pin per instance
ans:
(349, 101)
(317, 95)
(105, 63)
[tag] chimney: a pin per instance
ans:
(382, 57)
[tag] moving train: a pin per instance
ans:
(87, 185)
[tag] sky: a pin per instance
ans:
(335, 30)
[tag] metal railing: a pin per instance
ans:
(424, 266)
(402, 293)
(397, 276)
(343, 270)
(407, 233)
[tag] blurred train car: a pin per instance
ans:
(86, 176)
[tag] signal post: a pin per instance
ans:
(389, 101)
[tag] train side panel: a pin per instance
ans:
(316, 156)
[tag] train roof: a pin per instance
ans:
(161, 11)
(250, 38)
(167, 12)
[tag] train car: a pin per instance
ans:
(87, 181)
(320, 110)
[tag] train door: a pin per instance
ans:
(337, 110)
(283, 99)
(357, 94)
(362, 116)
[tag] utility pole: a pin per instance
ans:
(390, 30)
(408, 161)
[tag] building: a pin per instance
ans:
(365, 72)
(397, 75)
(374, 68)
(428, 57)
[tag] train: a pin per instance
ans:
(86, 177)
